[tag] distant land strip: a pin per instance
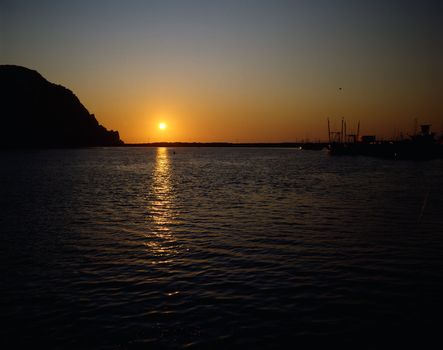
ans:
(304, 145)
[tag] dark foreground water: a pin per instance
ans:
(131, 248)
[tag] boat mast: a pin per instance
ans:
(329, 131)
(341, 133)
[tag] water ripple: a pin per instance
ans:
(214, 248)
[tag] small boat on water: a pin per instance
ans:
(313, 146)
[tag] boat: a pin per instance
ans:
(420, 146)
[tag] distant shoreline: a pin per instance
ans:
(228, 144)
(301, 145)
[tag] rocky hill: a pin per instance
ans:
(36, 113)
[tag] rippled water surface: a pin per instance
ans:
(134, 248)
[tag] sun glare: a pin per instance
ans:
(162, 126)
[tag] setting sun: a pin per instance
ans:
(162, 126)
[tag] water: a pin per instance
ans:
(134, 248)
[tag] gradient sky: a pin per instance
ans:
(241, 71)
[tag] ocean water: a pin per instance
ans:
(151, 248)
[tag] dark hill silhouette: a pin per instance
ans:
(37, 113)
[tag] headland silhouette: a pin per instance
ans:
(39, 114)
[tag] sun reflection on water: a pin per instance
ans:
(161, 241)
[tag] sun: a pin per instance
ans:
(162, 126)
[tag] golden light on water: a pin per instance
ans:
(161, 242)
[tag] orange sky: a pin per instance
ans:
(237, 71)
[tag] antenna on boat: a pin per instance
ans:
(329, 131)
(341, 133)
